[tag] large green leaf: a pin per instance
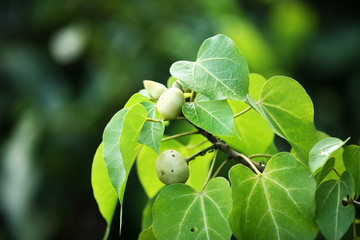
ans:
(147, 234)
(351, 158)
(322, 151)
(333, 218)
(215, 117)
(199, 168)
(104, 193)
(136, 98)
(289, 111)
(207, 75)
(254, 134)
(120, 145)
(277, 204)
(180, 212)
(152, 132)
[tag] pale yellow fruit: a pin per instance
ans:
(155, 89)
(171, 167)
(170, 103)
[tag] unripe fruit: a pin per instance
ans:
(170, 103)
(155, 89)
(171, 167)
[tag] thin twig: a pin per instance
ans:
(210, 171)
(153, 120)
(179, 135)
(336, 172)
(242, 112)
(248, 160)
(220, 167)
(260, 155)
(181, 118)
(200, 153)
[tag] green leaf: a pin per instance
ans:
(289, 112)
(147, 234)
(351, 158)
(136, 98)
(180, 212)
(120, 145)
(146, 220)
(322, 151)
(207, 75)
(199, 168)
(104, 193)
(215, 117)
(170, 81)
(255, 136)
(333, 218)
(277, 204)
(152, 132)
(328, 167)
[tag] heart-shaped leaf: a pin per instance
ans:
(152, 132)
(104, 193)
(207, 76)
(351, 158)
(136, 98)
(277, 204)
(333, 218)
(289, 111)
(322, 151)
(180, 212)
(215, 117)
(120, 145)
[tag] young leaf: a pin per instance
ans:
(289, 112)
(333, 218)
(180, 212)
(351, 158)
(207, 75)
(136, 98)
(104, 193)
(277, 204)
(321, 152)
(328, 167)
(120, 145)
(255, 136)
(152, 132)
(215, 117)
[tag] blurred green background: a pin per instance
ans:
(66, 66)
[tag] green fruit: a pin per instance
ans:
(171, 167)
(155, 89)
(170, 103)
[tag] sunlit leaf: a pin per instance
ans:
(351, 158)
(289, 111)
(322, 151)
(328, 167)
(180, 212)
(215, 117)
(120, 145)
(207, 75)
(333, 218)
(277, 204)
(147, 234)
(152, 132)
(136, 98)
(104, 193)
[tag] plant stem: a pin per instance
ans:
(179, 135)
(242, 112)
(210, 170)
(153, 120)
(220, 167)
(248, 160)
(336, 172)
(181, 118)
(231, 153)
(200, 153)
(354, 230)
(192, 96)
(260, 155)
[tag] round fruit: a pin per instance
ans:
(170, 103)
(155, 89)
(171, 167)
